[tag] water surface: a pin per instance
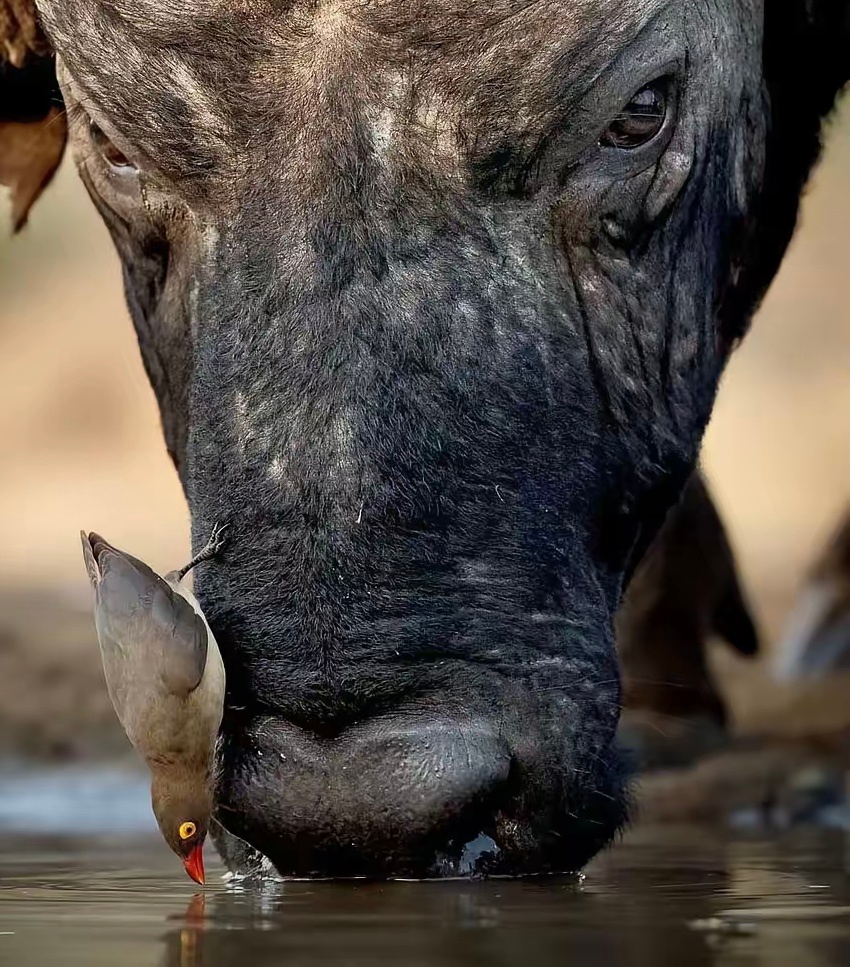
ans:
(678, 897)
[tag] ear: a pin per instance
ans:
(32, 120)
(806, 63)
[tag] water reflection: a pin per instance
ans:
(655, 900)
(449, 924)
(186, 952)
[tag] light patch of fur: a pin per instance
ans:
(341, 448)
(385, 120)
(382, 132)
(330, 20)
(276, 469)
(437, 120)
(200, 99)
(209, 238)
(241, 422)
(250, 432)
(468, 311)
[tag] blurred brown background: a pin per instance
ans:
(80, 446)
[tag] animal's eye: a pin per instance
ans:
(187, 830)
(112, 155)
(640, 120)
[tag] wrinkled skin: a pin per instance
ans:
(442, 357)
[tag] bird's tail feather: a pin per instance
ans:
(92, 568)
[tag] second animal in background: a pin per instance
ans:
(685, 592)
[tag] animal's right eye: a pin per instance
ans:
(112, 155)
(640, 120)
(187, 830)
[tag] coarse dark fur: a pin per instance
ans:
(443, 358)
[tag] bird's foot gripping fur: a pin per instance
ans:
(211, 549)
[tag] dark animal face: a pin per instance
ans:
(435, 299)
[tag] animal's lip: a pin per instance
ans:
(194, 864)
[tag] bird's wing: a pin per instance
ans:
(145, 627)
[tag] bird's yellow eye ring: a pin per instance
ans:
(187, 830)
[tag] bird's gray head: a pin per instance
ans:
(182, 803)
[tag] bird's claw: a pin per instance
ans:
(218, 538)
(210, 550)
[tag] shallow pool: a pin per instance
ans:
(680, 897)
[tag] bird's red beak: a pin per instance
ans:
(194, 864)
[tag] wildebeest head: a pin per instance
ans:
(435, 298)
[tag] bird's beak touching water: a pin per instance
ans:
(194, 864)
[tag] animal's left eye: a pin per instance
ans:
(187, 830)
(112, 155)
(640, 120)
